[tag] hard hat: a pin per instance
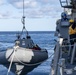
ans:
(71, 21)
(63, 14)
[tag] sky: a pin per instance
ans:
(41, 15)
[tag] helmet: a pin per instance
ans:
(63, 15)
(71, 21)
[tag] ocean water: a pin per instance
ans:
(43, 39)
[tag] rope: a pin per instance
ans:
(66, 45)
(73, 39)
(35, 63)
(70, 39)
(66, 40)
(13, 55)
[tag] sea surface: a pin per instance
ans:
(42, 38)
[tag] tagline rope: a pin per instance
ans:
(13, 55)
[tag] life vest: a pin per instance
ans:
(71, 30)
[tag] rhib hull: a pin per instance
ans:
(24, 60)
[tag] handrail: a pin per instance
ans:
(73, 54)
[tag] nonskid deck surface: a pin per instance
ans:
(68, 65)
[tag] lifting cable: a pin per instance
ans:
(23, 21)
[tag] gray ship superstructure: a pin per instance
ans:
(64, 60)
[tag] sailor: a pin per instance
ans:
(72, 31)
(71, 21)
(72, 34)
(30, 42)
